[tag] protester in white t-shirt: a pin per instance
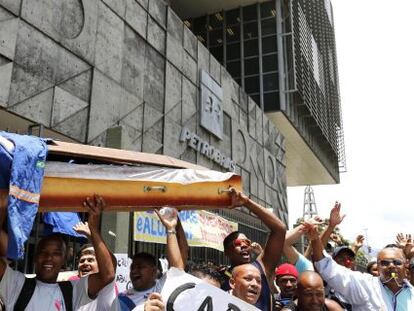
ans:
(143, 272)
(50, 256)
(88, 265)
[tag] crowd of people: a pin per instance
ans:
(324, 277)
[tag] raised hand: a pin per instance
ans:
(256, 248)
(154, 303)
(335, 238)
(315, 220)
(238, 198)
(359, 241)
(312, 232)
(401, 240)
(335, 217)
(83, 228)
(168, 217)
(95, 206)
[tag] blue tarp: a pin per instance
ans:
(26, 177)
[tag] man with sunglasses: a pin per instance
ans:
(238, 248)
(389, 291)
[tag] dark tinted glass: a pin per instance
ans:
(233, 34)
(251, 48)
(250, 30)
(269, 44)
(233, 17)
(252, 84)
(251, 66)
(271, 101)
(270, 63)
(267, 9)
(270, 82)
(216, 20)
(234, 68)
(249, 13)
(268, 26)
(199, 24)
(216, 36)
(233, 51)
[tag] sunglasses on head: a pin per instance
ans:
(239, 242)
(387, 262)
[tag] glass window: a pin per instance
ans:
(269, 45)
(267, 9)
(199, 24)
(233, 17)
(233, 51)
(270, 63)
(268, 26)
(238, 81)
(233, 33)
(250, 30)
(251, 48)
(216, 20)
(249, 13)
(234, 68)
(217, 52)
(252, 84)
(216, 37)
(251, 66)
(271, 101)
(202, 37)
(270, 82)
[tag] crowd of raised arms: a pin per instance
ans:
(273, 276)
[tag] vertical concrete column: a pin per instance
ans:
(115, 227)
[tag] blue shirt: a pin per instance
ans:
(303, 264)
(401, 300)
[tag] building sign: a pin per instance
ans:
(202, 229)
(211, 112)
(203, 147)
(182, 292)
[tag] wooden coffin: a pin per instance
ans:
(129, 181)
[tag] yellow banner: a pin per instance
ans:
(201, 228)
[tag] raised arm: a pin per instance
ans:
(292, 236)
(274, 245)
(174, 256)
(182, 241)
(359, 241)
(104, 257)
(335, 219)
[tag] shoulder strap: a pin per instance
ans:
(67, 293)
(25, 295)
(125, 302)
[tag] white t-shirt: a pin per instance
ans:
(103, 301)
(140, 297)
(46, 297)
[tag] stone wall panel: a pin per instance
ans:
(158, 10)
(109, 44)
(154, 79)
(156, 36)
(11, 5)
(133, 63)
(136, 17)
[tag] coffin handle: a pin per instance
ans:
(155, 188)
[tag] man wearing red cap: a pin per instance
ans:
(286, 277)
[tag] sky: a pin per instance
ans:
(375, 51)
